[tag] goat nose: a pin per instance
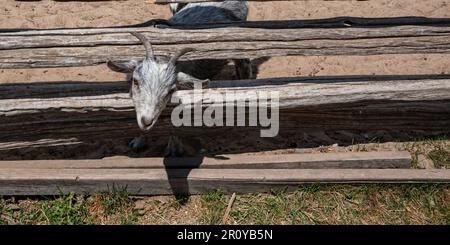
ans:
(146, 121)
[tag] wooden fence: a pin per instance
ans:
(30, 112)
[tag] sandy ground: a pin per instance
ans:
(51, 14)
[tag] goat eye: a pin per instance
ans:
(135, 82)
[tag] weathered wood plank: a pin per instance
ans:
(379, 160)
(16, 99)
(196, 181)
(184, 35)
(82, 47)
(30, 112)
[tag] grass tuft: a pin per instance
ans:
(440, 157)
(67, 209)
(114, 201)
(215, 204)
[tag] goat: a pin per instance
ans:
(154, 80)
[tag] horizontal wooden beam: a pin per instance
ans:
(37, 111)
(386, 159)
(17, 99)
(196, 181)
(349, 36)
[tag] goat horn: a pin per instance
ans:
(148, 46)
(178, 54)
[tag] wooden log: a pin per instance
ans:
(386, 159)
(17, 99)
(196, 181)
(82, 47)
(30, 112)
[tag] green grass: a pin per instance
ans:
(215, 203)
(65, 210)
(310, 204)
(440, 157)
(5, 213)
(346, 204)
(115, 206)
(114, 201)
(71, 209)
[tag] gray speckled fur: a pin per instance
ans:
(209, 12)
(154, 79)
(201, 13)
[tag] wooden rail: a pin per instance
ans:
(196, 181)
(36, 111)
(378, 160)
(195, 175)
(344, 36)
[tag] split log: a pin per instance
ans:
(344, 36)
(385, 159)
(197, 181)
(86, 110)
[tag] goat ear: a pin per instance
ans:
(122, 66)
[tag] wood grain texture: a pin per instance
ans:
(19, 99)
(30, 112)
(386, 159)
(350, 36)
(196, 181)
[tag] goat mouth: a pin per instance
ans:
(147, 127)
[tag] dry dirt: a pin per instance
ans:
(51, 14)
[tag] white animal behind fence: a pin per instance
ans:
(155, 79)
